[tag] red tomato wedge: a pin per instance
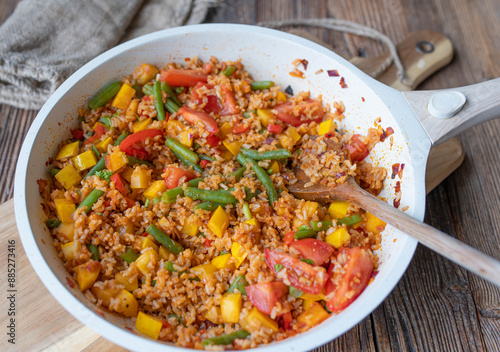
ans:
(295, 115)
(357, 149)
(132, 145)
(213, 141)
(183, 78)
(116, 178)
(305, 277)
(318, 251)
(288, 238)
(98, 132)
(130, 202)
(174, 174)
(287, 320)
(207, 68)
(264, 295)
(212, 105)
(240, 129)
(194, 117)
(343, 288)
(230, 107)
(77, 134)
(274, 129)
(204, 163)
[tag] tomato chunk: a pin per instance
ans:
(264, 295)
(230, 107)
(116, 178)
(204, 163)
(288, 238)
(213, 141)
(212, 105)
(357, 149)
(183, 78)
(132, 145)
(194, 117)
(98, 132)
(174, 174)
(240, 129)
(77, 134)
(274, 129)
(305, 277)
(344, 287)
(318, 251)
(297, 114)
(287, 320)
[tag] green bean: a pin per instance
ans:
(227, 339)
(258, 85)
(239, 283)
(94, 250)
(121, 138)
(205, 157)
(161, 237)
(277, 154)
(106, 120)
(300, 234)
(134, 161)
(237, 174)
(210, 206)
(52, 223)
(102, 97)
(229, 70)
(166, 88)
(320, 225)
(160, 110)
(171, 106)
(181, 149)
(246, 211)
(96, 152)
(188, 163)
(249, 113)
(54, 172)
(91, 199)
(148, 89)
(349, 220)
(272, 194)
(295, 292)
(129, 256)
(169, 266)
(323, 225)
(219, 196)
(250, 195)
(101, 165)
(307, 260)
(171, 195)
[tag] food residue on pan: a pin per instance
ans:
(319, 71)
(342, 83)
(333, 73)
(397, 199)
(297, 73)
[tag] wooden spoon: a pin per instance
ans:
(449, 247)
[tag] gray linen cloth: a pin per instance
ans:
(44, 41)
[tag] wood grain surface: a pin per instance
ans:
(437, 306)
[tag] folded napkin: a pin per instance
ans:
(44, 41)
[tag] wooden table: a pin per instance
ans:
(437, 305)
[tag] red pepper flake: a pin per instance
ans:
(207, 242)
(342, 83)
(333, 73)
(397, 200)
(383, 136)
(362, 99)
(70, 282)
(395, 170)
(304, 63)
(329, 135)
(297, 73)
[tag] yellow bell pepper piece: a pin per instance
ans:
(218, 222)
(147, 242)
(132, 107)
(87, 273)
(85, 160)
(274, 167)
(103, 145)
(338, 210)
(155, 189)
(64, 209)
(256, 320)
(141, 125)
(186, 138)
(145, 73)
(175, 127)
(374, 224)
(105, 294)
(70, 250)
(338, 238)
(123, 97)
(128, 283)
(227, 155)
(164, 253)
(281, 97)
(68, 176)
(68, 151)
(265, 116)
(292, 132)
(233, 147)
(146, 262)
(238, 254)
(314, 315)
(224, 130)
(148, 325)
(230, 306)
(127, 304)
(204, 272)
(286, 141)
(310, 208)
(325, 127)
(309, 299)
(213, 314)
(67, 229)
(127, 173)
(191, 226)
(140, 178)
(115, 161)
(99, 123)
(221, 261)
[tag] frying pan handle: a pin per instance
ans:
(482, 103)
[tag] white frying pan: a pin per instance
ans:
(267, 54)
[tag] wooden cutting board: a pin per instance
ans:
(42, 324)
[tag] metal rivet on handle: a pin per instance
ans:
(425, 47)
(444, 105)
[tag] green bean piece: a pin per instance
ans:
(205, 157)
(161, 237)
(129, 256)
(307, 260)
(246, 211)
(121, 138)
(102, 97)
(94, 250)
(178, 90)
(304, 227)
(134, 161)
(101, 165)
(237, 174)
(277, 154)
(166, 88)
(295, 292)
(300, 234)
(156, 200)
(96, 152)
(259, 85)
(181, 149)
(91, 199)
(349, 220)
(54, 172)
(262, 175)
(148, 89)
(188, 163)
(160, 110)
(229, 70)
(170, 267)
(320, 225)
(52, 223)
(171, 195)
(106, 120)
(210, 206)
(171, 106)
(227, 339)
(146, 203)
(249, 113)
(239, 283)
(219, 196)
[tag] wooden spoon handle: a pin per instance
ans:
(449, 247)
